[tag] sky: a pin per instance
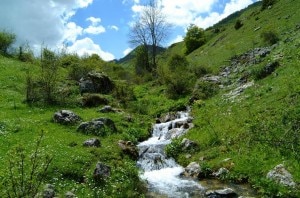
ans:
(102, 26)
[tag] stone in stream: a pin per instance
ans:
(129, 148)
(192, 170)
(280, 175)
(221, 193)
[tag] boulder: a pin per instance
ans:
(48, 192)
(101, 172)
(99, 127)
(107, 109)
(192, 170)
(129, 148)
(221, 193)
(96, 83)
(66, 117)
(280, 175)
(94, 142)
(172, 133)
(187, 144)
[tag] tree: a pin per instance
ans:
(141, 60)
(194, 38)
(6, 40)
(151, 29)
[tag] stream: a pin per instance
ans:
(162, 174)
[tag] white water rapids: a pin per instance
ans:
(161, 173)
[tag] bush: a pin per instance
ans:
(269, 37)
(174, 149)
(262, 72)
(93, 100)
(195, 38)
(238, 24)
(204, 90)
(6, 40)
(177, 77)
(25, 173)
(267, 3)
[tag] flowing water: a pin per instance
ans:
(161, 173)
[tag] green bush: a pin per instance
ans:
(195, 38)
(269, 37)
(204, 90)
(178, 79)
(93, 100)
(238, 24)
(263, 71)
(25, 173)
(267, 3)
(6, 40)
(174, 149)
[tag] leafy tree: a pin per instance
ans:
(194, 38)
(6, 40)
(141, 60)
(151, 29)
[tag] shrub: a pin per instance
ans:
(269, 37)
(195, 38)
(123, 92)
(26, 54)
(174, 149)
(262, 72)
(204, 90)
(25, 172)
(93, 100)
(238, 24)
(177, 77)
(6, 40)
(267, 3)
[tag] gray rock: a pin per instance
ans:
(192, 170)
(220, 172)
(94, 142)
(48, 192)
(101, 172)
(99, 127)
(129, 148)
(172, 133)
(107, 109)
(96, 83)
(221, 193)
(280, 175)
(69, 194)
(66, 117)
(187, 144)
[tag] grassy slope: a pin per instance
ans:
(222, 127)
(21, 125)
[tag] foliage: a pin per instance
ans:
(267, 3)
(174, 148)
(269, 37)
(93, 100)
(195, 38)
(261, 72)
(238, 24)
(141, 60)
(25, 173)
(204, 90)
(26, 54)
(6, 40)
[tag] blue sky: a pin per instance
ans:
(102, 26)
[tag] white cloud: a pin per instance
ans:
(95, 21)
(72, 31)
(38, 22)
(94, 30)
(113, 27)
(177, 39)
(127, 51)
(87, 46)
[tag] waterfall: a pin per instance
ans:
(160, 172)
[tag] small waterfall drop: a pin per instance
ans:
(161, 173)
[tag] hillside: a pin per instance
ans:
(243, 91)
